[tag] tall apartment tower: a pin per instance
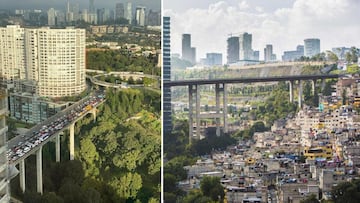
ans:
(12, 53)
(51, 17)
(167, 123)
(188, 52)
(119, 11)
(140, 16)
(311, 47)
(128, 12)
(91, 6)
(4, 166)
(53, 59)
(245, 44)
(233, 48)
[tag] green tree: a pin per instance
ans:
(346, 192)
(311, 199)
(211, 187)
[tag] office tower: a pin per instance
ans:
(128, 12)
(4, 164)
(293, 55)
(245, 41)
(12, 53)
(167, 123)
(140, 16)
(103, 15)
(72, 12)
(154, 18)
(213, 59)
(268, 51)
(119, 11)
(256, 55)
(54, 59)
(91, 6)
(233, 48)
(312, 47)
(51, 17)
(188, 52)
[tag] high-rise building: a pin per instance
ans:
(51, 17)
(154, 18)
(233, 48)
(54, 59)
(140, 16)
(128, 12)
(103, 15)
(268, 53)
(167, 122)
(4, 164)
(119, 11)
(91, 6)
(293, 55)
(213, 59)
(188, 52)
(12, 53)
(312, 47)
(245, 44)
(256, 56)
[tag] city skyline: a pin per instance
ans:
(84, 4)
(284, 24)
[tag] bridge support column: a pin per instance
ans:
(197, 108)
(291, 91)
(72, 148)
(190, 113)
(313, 86)
(57, 147)
(225, 108)
(300, 94)
(39, 177)
(217, 98)
(93, 112)
(323, 84)
(22, 175)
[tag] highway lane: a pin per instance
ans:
(23, 145)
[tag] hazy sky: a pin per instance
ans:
(283, 23)
(45, 4)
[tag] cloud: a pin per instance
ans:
(333, 21)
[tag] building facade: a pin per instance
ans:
(54, 59)
(128, 12)
(312, 47)
(119, 11)
(233, 48)
(293, 55)
(245, 45)
(140, 16)
(213, 59)
(268, 53)
(4, 166)
(167, 121)
(188, 52)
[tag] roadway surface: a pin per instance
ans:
(246, 80)
(31, 139)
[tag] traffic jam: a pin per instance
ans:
(39, 136)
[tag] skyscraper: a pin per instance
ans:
(128, 12)
(167, 123)
(233, 48)
(245, 44)
(140, 16)
(188, 52)
(91, 6)
(312, 47)
(119, 11)
(268, 53)
(54, 59)
(51, 17)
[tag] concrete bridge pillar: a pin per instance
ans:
(225, 108)
(39, 177)
(72, 148)
(197, 116)
(291, 91)
(313, 86)
(323, 84)
(57, 147)
(191, 112)
(22, 175)
(93, 112)
(300, 94)
(217, 98)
